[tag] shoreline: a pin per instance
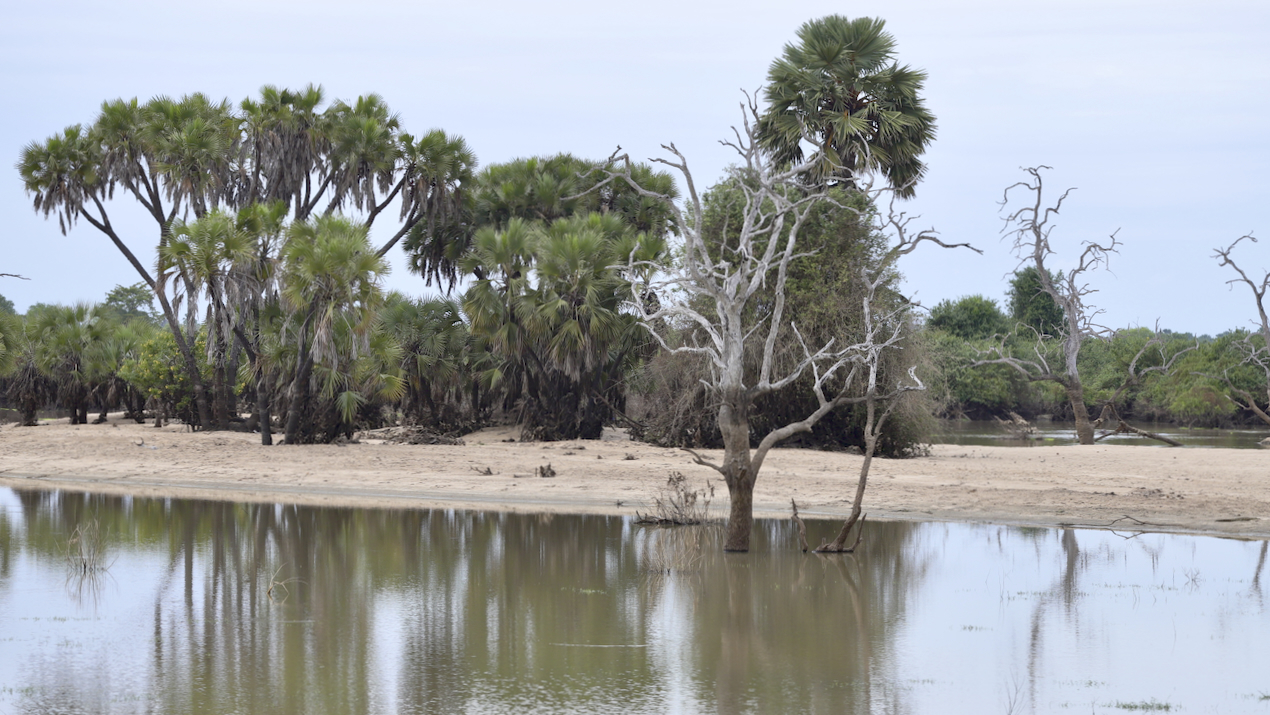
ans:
(1209, 491)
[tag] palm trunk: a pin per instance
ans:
(297, 401)
(219, 415)
(231, 378)
(191, 365)
(264, 404)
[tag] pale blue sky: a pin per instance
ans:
(1156, 111)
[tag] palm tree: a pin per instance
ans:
(105, 361)
(72, 173)
(841, 88)
(285, 138)
(546, 306)
(27, 386)
(331, 281)
(436, 170)
(544, 189)
(66, 337)
(192, 143)
(204, 254)
(435, 358)
(363, 152)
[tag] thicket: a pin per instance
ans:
(1193, 393)
(823, 294)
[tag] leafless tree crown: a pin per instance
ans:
(777, 202)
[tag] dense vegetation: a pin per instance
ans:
(1193, 393)
(266, 309)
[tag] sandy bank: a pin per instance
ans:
(1221, 491)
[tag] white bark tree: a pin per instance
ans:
(710, 290)
(1255, 355)
(1029, 226)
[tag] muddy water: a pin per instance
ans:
(210, 607)
(986, 434)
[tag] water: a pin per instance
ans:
(215, 607)
(985, 434)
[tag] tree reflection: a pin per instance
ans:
(442, 611)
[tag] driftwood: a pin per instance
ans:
(1017, 426)
(1109, 414)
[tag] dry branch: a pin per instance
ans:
(802, 528)
(1254, 354)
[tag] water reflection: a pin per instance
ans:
(216, 607)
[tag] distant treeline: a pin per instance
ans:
(1193, 392)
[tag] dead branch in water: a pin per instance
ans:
(1122, 427)
(802, 528)
(1017, 426)
(834, 547)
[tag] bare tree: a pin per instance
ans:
(881, 333)
(707, 294)
(1030, 226)
(1254, 355)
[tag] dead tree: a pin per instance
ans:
(1257, 356)
(881, 334)
(706, 296)
(1029, 227)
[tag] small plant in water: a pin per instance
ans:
(86, 549)
(670, 551)
(677, 504)
(1144, 705)
(279, 588)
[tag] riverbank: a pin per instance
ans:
(1221, 491)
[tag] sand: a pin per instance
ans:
(1130, 488)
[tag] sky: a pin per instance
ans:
(1156, 112)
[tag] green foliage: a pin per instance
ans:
(69, 337)
(158, 372)
(545, 189)
(546, 306)
(438, 360)
(1031, 305)
(6, 306)
(841, 83)
(10, 329)
(124, 303)
(960, 390)
(971, 317)
(27, 385)
(824, 296)
(1192, 393)
(330, 283)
